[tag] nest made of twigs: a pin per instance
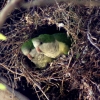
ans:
(75, 76)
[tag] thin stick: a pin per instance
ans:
(89, 36)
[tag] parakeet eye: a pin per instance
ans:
(41, 42)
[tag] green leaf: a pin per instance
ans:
(2, 37)
(2, 86)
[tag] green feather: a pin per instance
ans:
(27, 47)
(45, 38)
(62, 37)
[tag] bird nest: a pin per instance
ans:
(75, 76)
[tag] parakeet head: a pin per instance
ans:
(26, 52)
(27, 47)
(40, 40)
(36, 43)
(40, 60)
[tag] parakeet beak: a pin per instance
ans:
(29, 56)
(38, 49)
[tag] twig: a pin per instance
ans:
(6, 67)
(41, 91)
(88, 89)
(37, 85)
(89, 36)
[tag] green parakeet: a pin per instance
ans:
(40, 60)
(51, 45)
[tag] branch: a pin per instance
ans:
(45, 2)
(7, 10)
(11, 90)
